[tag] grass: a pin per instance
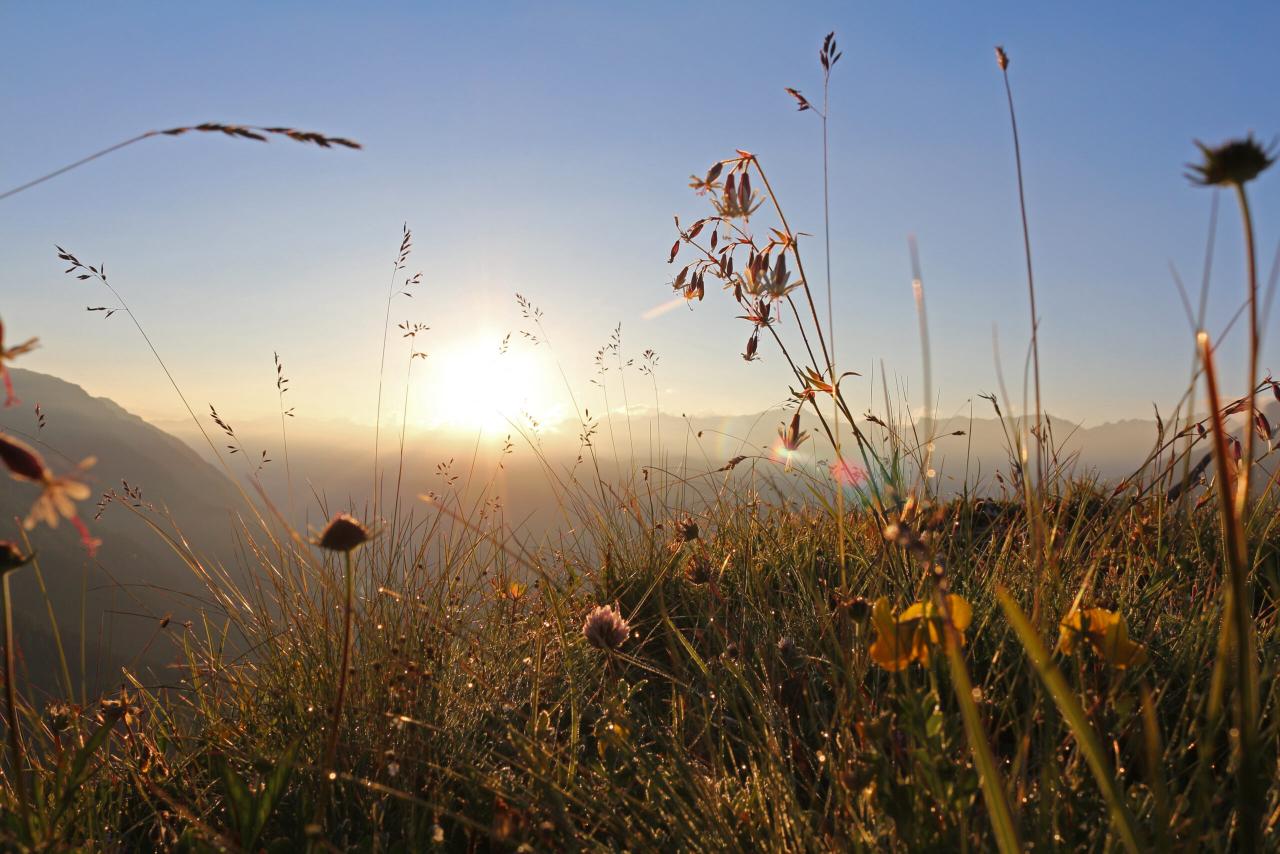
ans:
(743, 708)
(749, 655)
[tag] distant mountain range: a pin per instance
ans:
(337, 455)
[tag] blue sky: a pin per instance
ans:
(543, 148)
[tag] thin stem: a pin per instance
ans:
(254, 132)
(926, 359)
(382, 367)
(822, 340)
(284, 440)
(626, 402)
(795, 251)
(173, 382)
(11, 708)
(1031, 282)
(404, 424)
(1242, 486)
(331, 752)
(82, 161)
(831, 325)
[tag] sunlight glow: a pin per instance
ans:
(472, 385)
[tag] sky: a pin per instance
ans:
(543, 149)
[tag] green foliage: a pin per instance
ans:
(250, 810)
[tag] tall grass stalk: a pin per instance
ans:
(18, 758)
(406, 244)
(282, 386)
(254, 132)
(1237, 637)
(1003, 61)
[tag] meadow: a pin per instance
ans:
(753, 653)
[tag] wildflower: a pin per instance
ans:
(758, 313)
(736, 201)
(514, 591)
(814, 381)
(894, 646)
(1002, 58)
(698, 567)
(343, 533)
(847, 473)
(8, 354)
(686, 529)
(11, 557)
(1234, 163)
(695, 288)
(119, 709)
(1263, 426)
(59, 716)
(788, 650)
(23, 462)
(774, 282)
(909, 636)
(792, 437)
(58, 499)
(1106, 632)
(58, 494)
(702, 185)
(604, 628)
(857, 607)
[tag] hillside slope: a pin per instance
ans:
(119, 596)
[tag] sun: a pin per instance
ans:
(476, 384)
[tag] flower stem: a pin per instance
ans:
(11, 708)
(331, 752)
(1237, 629)
(1242, 487)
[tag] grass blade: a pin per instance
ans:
(1069, 706)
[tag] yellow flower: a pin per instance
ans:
(893, 646)
(909, 636)
(1105, 631)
